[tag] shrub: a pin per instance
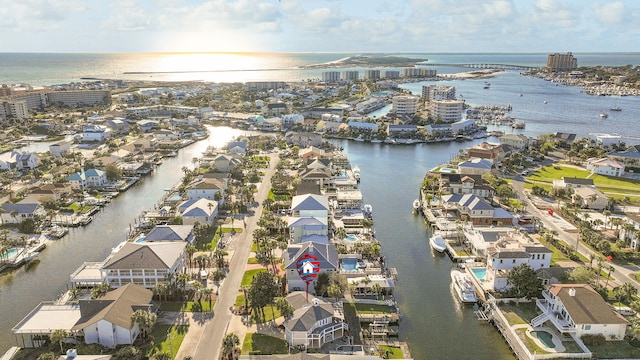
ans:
(590, 340)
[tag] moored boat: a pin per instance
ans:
(416, 204)
(437, 243)
(604, 115)
(463, 286)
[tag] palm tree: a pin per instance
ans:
(58, 336)
(377, 289)
(628, 291)
(190, 250)
(145, 320)
(607, 215)
(183, 279)
(229, 343)
(206, 293)
(611, 270)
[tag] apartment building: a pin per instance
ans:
(447, 110)
(405, 104)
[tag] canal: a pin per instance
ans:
(22, 290)
(432, 319)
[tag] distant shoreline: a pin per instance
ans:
(373, 61)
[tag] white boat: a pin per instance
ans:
(604, 115)
(416, 204)
(463, 286)
(368, 208)
(437, 243)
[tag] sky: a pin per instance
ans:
(319, 26)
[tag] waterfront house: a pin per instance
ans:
(236, 147)
(312, 324)
(475, 166)
(27, 208)
(490, 151)
(310, 205)
(97, 133)
(564, 140)
(201, 211)
(148, 125)
(206, 188)
(516, 141)
(165, 135)
(313, 175)
(465, 184)
(605, 166)
(303, 139)
(360, 125)
(87, 179)
(51, 192)
(144, 263)
(107, 320)
(311, 152)
(326, 255)
(577, 309)
(630, 158)
(17, 160)
(225, 162)
(401, 130)
(590, 198)
(299, 227)
(572, 183)
(476, 210)
(60, 148)
(182, 233)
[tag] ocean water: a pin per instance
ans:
(57, 68)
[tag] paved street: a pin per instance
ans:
(621, 273)
(204, 338)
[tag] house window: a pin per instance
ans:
(543, 256)
(513, 261)
(586, 327)
(501, 261)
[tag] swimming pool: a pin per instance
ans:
(139, 240)
(544, 337)
(349, 264)
(11, 252)
(480, 273)
(351, 238)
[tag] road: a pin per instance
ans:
(210, 342)
(621, 274)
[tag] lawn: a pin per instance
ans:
(261, 344)
(373, 309)
(189, 306)
(248, 276)
(390, 352)
(547, 174)
(519, 314)
(270, 313)
(615, 350)
(166, 338)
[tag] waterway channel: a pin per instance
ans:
(434, 324)
(22, 290)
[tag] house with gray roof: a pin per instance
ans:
(578, 310)
(27, 208)
(475, 166)
(87, 179)
(144, 263)
(310, 205)
(107, 320)
(313, 323)
(326, 255)
(181, 233)
(476, 210)
(573, 183)
(203, 211)
(300, 227)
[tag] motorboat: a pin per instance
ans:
(463, 286)
(604, 115)
(617, 108)
(416, 204)
(437, 243)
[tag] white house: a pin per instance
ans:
(203, 211)
(590, 198)
(86, 179)
(206, 188)
(475, 166)
(577, 309)
(16, 160)
(605, 166)
(314, 324)
(310, 205)
(27, 208)
(95, 133)
(107, 320)
(304, 226)
(60, 148)
(146, 263)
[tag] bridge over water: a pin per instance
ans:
(486, 66)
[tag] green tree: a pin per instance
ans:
(284, 307)
(262, 291)
(229, 344)
(145, 320)
(524, 282)
(127, 353)
(582, 275)
(47, 356)
(58, 336)
(113, 172)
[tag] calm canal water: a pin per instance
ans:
(22, 290)
(434, 323)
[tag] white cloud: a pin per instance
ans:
(615, 13)
(38, 15)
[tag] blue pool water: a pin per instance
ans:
(11, 252)
(480, 273)
(140, 240)
(351, 238)
(349, 264)
(545, 338)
